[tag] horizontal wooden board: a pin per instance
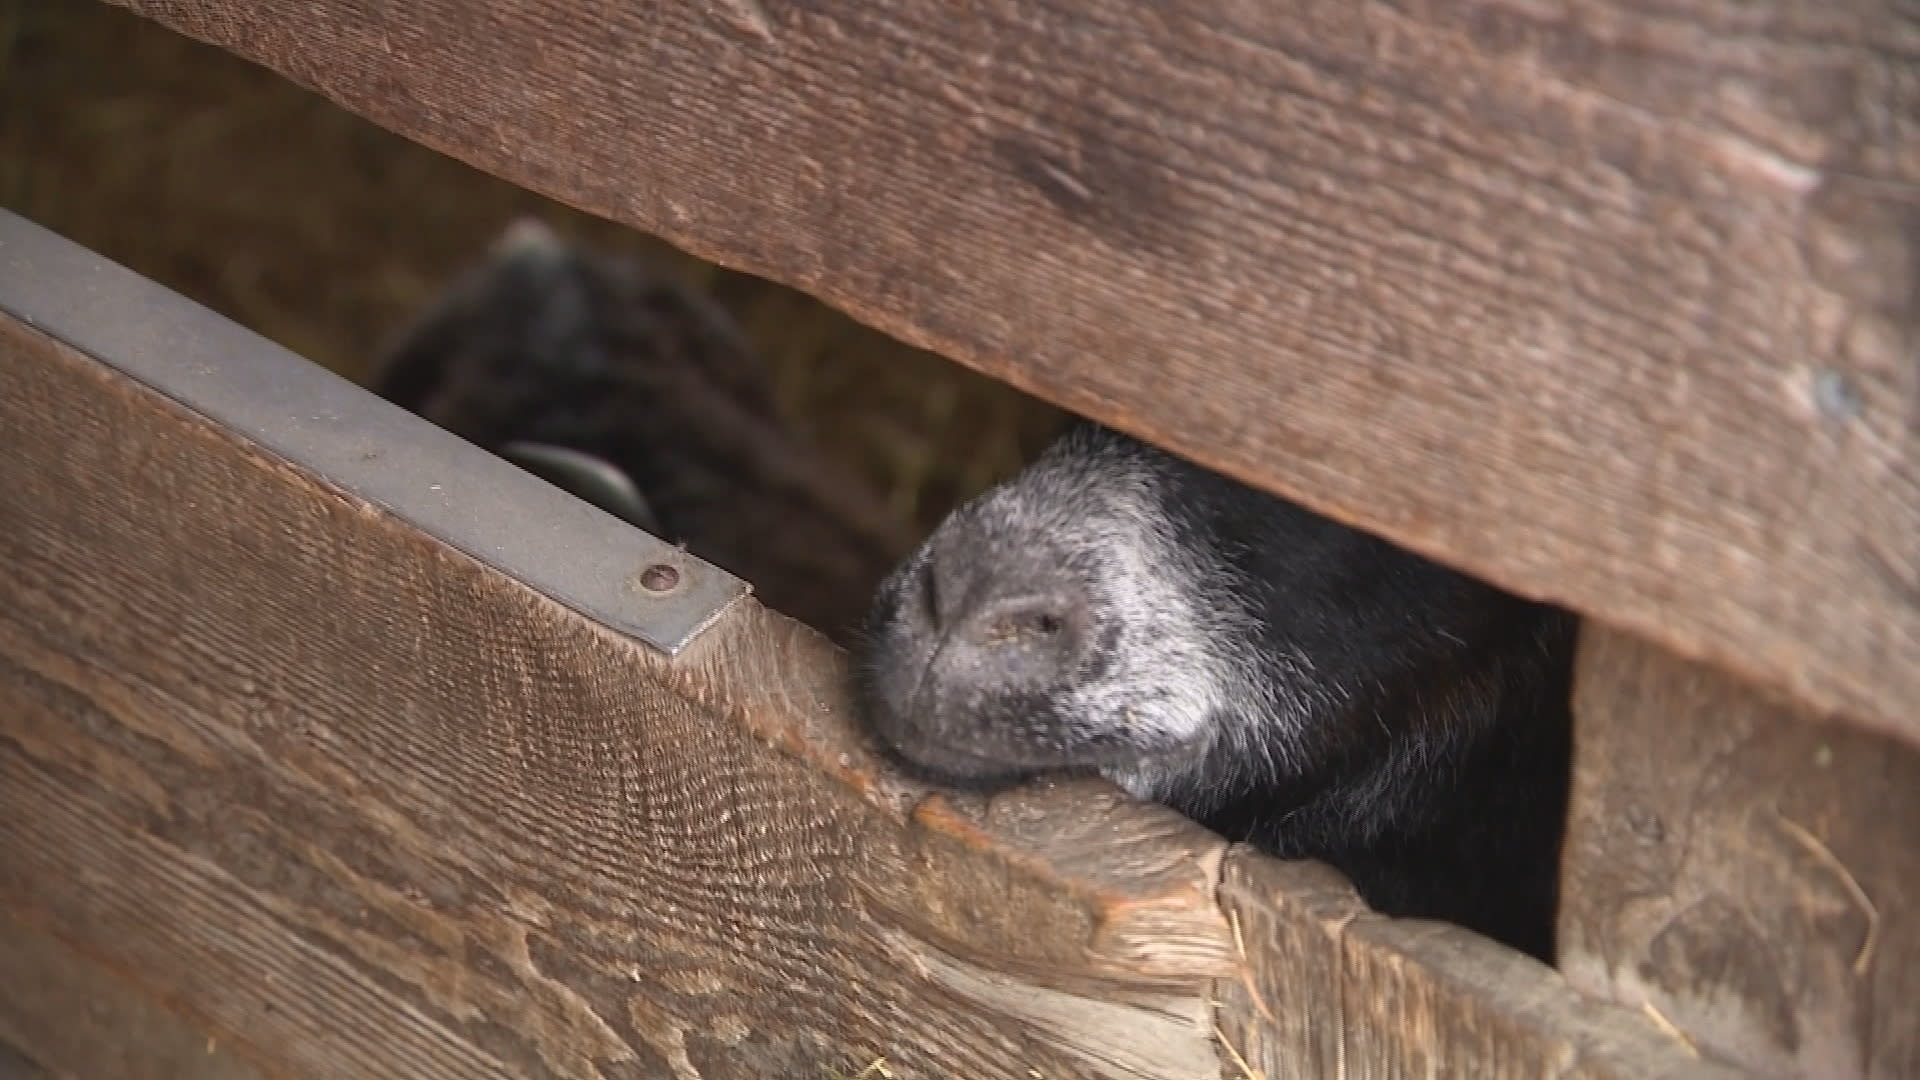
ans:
(1748, 877)
(15, 1065)
(63, 1005)
(289, 780)
(1412, 998)
(363, 806)
(1614, 304)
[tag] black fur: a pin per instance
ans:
(550, 345)
(1406, 723)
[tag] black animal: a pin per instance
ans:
(1279, 677)
(608, 377)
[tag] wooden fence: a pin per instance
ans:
(332, 746)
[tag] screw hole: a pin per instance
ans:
(660, 578)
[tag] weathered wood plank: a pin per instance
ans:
(1414, 998)
(1749, 877)
(16, 1066)
(60, 1005)
(283, 774)
(1614, 304)
(366, 807)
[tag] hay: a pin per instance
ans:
(323, 232)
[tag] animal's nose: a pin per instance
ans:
(1004, 617)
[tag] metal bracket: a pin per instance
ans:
(503, 516)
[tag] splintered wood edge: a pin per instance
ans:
(1409, 995)
(1146, 873)
(1273, 931)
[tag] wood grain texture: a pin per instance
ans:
(61, 1005)
(1616, 303)
(283, 776)
(1749, 877)
(15, 1065)
(356, 805)
(1412, 998)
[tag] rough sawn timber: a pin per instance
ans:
(1329, 988)
(1614, 303)
(1750, 877)
(362, 806)
(290, 782)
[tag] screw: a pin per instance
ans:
(660, 578)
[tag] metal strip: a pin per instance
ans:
(507, 518)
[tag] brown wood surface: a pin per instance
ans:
(1744, 876)
(15, 1065)
(360, 807)
(61, 1005)
(1413, 998)
(283, 777)
(1614, 303)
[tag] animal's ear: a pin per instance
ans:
(592, 478)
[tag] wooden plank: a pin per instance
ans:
(285, 775)
(363, 806)
(1613, 304)
(1413, 998)
(1748, 877)
(15, 1065)
(71, 1009)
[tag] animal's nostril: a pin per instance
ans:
(1025, 621)
(929, 593)
(1000, 603)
